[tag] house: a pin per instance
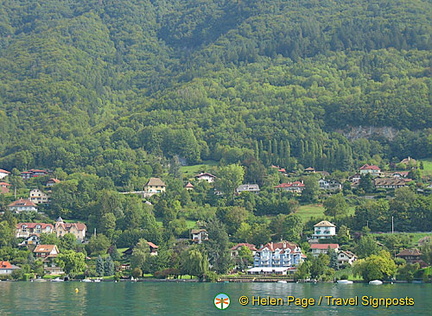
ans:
(295, 187)
(154, 186)
(77, 229)
(279, 169)
(389, 183)
(48, 253)
(31, 240)
(346, 257)
(3, 173)
(410, 255)
(32, 173)
(324, 229)
(38, 197)
(235, 249)
(25, 230)
(400, 174)
(206, 177)
(372, 169)
(317, 248)
(152, 247)
(4, 187)
(254, 188)
(199, 235)
(409, 162)
(22, 205)
(309, 170)
(278, 258)
(355, 178)
(329, 184)
(189, 186)
(51, 182)
(7, 268)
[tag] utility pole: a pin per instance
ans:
(392, 226)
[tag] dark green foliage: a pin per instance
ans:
(100, 269)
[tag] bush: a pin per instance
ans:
(211, 276)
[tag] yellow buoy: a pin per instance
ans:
(76, 290)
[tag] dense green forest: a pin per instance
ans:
(119, 88)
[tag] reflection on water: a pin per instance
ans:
(161, 298)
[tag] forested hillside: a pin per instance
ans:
(116, 88)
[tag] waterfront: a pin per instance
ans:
(162, 298)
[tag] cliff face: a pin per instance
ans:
(369, 132)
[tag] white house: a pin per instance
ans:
(7, 268)
(254, 188)
(346, 257)
(154, 186)
(199, 235)
(317, 249)
(3, 173)
(38, 197)
(22, 205)
(324, 229)
(372, 169)
(279, 257)
(206, 177)
(25, 230)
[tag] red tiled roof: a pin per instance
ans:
(409, 252)
(4, 171)
(272, 246)
(244, 244)
(290, 185)
(369, 167)
(68, 226)
(44, 248)
(33, 225)
(5, 184)
(22, 202)
(324, 246)
(5, 265)
(152, 245)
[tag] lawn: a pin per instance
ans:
(191, 171)
(310, 210)
(316, 211)
(427, 167)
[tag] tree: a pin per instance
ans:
(140, 255)
(311, 190)
(367, 246)
(375, 267)
(98, 244)
(194, 263)
(108, 266)
(229, 178)
(217, 246)
(335, 206)
(99, 266)
(319, 265)
(68, 242)
(366, 183)
(287, 227)
(71, 262)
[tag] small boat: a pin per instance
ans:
(282, 281)
(375, 282)
(344, 282)
(96, 280)
(57, 280)
(86, 280)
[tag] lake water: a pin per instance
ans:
(183, 298)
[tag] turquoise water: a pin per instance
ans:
(163, 298)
